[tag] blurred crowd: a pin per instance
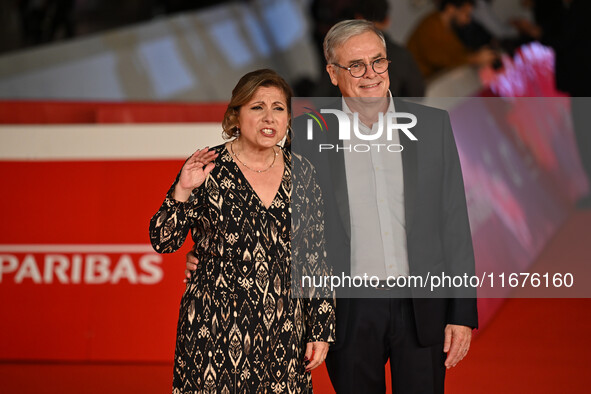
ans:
(26, 23)
(455, 33)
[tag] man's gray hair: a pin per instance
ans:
(344, 30)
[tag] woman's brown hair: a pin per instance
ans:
(243, 92)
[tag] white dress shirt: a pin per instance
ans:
(375, 188)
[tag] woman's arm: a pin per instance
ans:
(170, 225)
(310, 255)
(319, 302)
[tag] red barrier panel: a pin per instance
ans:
(87, 285)
(43, 112)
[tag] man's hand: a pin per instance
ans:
(192, 262)
(456, 343)
(319, 350)
(483, 57)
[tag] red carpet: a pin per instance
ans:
(531, 346)
(536, 345)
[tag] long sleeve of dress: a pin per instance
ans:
(170, 225)
(310, 255)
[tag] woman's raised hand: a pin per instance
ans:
(194, 172)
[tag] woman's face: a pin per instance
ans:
(263, 120)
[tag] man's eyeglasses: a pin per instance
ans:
(357, 70)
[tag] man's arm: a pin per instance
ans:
(458, 252)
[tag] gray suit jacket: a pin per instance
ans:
(437, 226)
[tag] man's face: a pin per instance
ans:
(363, 48)
(462, 15)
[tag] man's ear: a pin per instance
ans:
(332, 72)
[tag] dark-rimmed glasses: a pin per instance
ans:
(357, 70)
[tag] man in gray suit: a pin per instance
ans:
(414, 201)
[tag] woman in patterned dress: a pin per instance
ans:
(245, 325)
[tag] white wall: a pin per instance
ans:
(191, 57)
(106, 142)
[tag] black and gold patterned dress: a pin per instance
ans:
(240, 328)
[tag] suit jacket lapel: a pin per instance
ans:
(409, 169)
(337, 169)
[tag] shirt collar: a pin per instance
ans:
(347, 110)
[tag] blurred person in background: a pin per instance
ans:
(62, 19)
(45, 20)
(241, 327)
(405, 77)
(436, 46)
(324, 14)
(487, 28)
(565, 27)
(32, 16)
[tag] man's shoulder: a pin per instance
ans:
(418, 109)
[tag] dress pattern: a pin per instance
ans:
(241, 327)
